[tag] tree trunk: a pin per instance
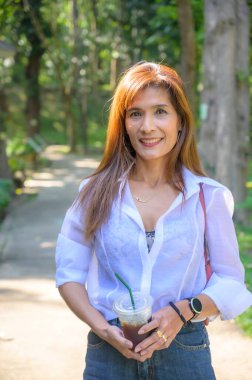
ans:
(4, 167)
(224, 134)
(79, 82)
(66, 92)
(116, 59)
(242, 97)
(208, 106)
(226, 141)
(70, 124)
(93, 55)
(5, 171)
(188, 49)
(33, 92)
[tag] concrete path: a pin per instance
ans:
(40, 339)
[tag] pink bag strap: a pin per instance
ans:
(206, 251)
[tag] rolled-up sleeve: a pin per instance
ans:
(73, 253)
(226, 286)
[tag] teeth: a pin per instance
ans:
(150, 141)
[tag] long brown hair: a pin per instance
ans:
(100, 191)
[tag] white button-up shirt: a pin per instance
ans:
(174, 268)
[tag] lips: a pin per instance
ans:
(150, 142)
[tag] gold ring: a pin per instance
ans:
(164, 337)
(159, 334)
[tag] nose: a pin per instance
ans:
(147, 124)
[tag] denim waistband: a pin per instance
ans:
(188, 328)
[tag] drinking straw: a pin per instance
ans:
(130, 291)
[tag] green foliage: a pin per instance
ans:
(17, 164)
(244, 235)
(245, 244)
(79, 60)
(97, 136)
(5, 192)
(247, 204)
(242, 76)
(20, 154)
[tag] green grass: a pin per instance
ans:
(245, 243)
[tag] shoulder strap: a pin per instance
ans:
(202, 201)
(206, 252)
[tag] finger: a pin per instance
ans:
(125, 342)
(165, 344)
(158, 345)
(206, 322)
(133, 355)
(146, 342)
(117, 335)
(153, 341)
(128, 344)
(149, 326)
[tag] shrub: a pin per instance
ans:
(5, 192)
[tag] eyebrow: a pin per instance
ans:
(154, 106)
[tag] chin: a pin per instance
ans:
(151, 157)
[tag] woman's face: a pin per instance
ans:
(152, 124)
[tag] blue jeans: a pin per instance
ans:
(187, 358)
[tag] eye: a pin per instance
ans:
(160, 111)
(135, 114)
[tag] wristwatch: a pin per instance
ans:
(195, 306)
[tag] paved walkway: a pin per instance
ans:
(40, 339)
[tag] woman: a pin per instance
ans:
(140, 215)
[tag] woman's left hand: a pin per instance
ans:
(166, 325)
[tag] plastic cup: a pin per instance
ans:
(133, 319)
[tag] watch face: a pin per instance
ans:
(196, 305)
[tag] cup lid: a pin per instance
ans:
(123, 305)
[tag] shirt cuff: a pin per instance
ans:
(229, 295)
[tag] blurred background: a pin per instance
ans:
(61, 60)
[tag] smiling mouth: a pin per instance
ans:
(151, 142)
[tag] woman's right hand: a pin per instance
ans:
(115, 337)
(76, 297)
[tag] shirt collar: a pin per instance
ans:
(192, 182)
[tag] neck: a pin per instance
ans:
(152, 172)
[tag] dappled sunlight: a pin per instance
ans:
(43, 179)
(44, 175)
(63, 149)
(88, 163)
(38, 183)
(29, 290)
(47, 244)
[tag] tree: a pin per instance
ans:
(32, 69)
(188, 49)
(79, 81)
(242, 94)
(6, 51)
(224, 127)
(73, 53)
(4, 166)
(63, 69)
